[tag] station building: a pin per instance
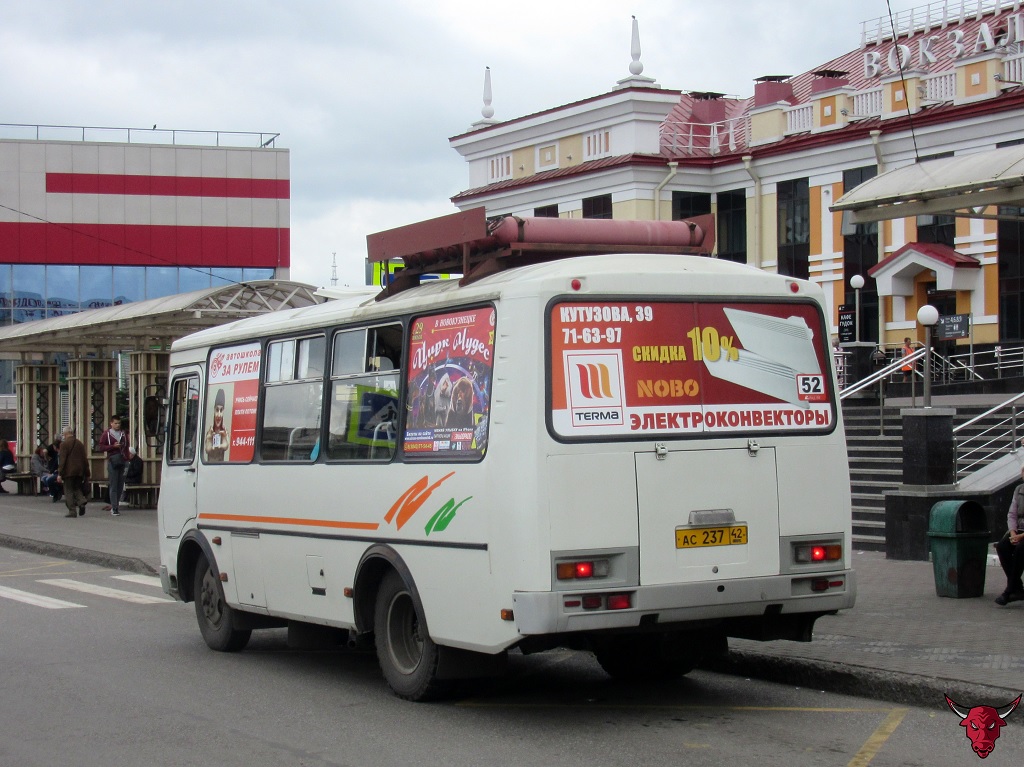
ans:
(943, 80)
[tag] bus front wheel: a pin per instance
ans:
(407, 656)
(213, 613)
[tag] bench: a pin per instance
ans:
(141, 496)
(28, 483)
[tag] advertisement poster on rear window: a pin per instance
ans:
(231, 394)
(627, 368)
(449, 375)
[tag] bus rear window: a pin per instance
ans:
(687, 369)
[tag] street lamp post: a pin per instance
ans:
(856, 282)
(928, 315)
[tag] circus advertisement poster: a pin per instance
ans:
(688, 368)
(231, 394)
(451, 357)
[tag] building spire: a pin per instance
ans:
(487, 110)
(636, 67)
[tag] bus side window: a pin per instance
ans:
(292, 400)
(184, 420)
(365, 369)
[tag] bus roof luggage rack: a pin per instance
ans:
(470, 244)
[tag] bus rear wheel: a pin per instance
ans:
(649, 657)
(214, 615)
(407, 655)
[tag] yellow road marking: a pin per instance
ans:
(672, 706)
(878, 738)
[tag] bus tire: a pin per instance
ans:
(407, 655)
(648, 657)
(214, 615)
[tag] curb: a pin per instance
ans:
(113, 561)
(859, 681)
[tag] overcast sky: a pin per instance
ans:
(366, 95)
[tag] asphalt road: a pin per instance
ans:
(100, 668)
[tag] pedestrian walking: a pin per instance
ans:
(114, 443)
(908, 367)
(73, 472)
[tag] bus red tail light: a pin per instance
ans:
(817, 552)
(619, 601)
(589, 568)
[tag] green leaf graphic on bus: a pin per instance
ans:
(444, 515)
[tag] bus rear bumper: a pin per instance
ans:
(557, 612)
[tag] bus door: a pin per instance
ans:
(178, 481)
(707, 515)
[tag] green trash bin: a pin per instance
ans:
(959, 538)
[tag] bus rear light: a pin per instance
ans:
(619, 601)
(507, 614)
(593, 602)
(817, 552)
(819, 584)
(596, 568)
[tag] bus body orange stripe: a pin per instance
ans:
(292, 521)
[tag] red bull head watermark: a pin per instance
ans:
(982, 723)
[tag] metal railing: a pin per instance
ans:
(884, 373)
(154, 135)
(998, 362)
(936, 14)
(705, 139)
(1000, 437)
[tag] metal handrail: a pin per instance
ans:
(154, 135)
(885, 372)
(983, 451)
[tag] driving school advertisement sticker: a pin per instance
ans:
(676, 368)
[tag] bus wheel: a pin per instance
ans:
(213, 613)
(648, 657)
(406, 654)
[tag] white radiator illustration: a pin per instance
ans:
(775, 350)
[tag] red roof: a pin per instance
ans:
(941, 253)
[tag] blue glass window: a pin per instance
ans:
(225, 277)
(248, 275)
(29, 286)
(61, 290)
(161, 281)
(96, 288)
(192, 279)
(5, 294)
(129, 283)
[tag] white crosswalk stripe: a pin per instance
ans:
(104, 591)
(145, 580)
(36, 600)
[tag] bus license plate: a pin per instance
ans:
(698, 537)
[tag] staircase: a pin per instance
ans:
(876, 463)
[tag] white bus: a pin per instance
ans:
(638, 455)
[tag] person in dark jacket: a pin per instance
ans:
(73, 472)
(50, 483)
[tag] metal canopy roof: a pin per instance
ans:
(141, 324)
(962, 186)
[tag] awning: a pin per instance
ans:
(157, 321)
(963, 186)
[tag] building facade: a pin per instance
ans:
(112, 216)
(943, 80)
